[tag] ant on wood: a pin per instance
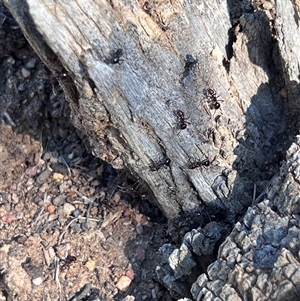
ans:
(181, 119)
(116, 56)
(163, 162)
(67, 262)
(212, 95)
(197, 164)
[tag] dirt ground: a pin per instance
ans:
(72, 227)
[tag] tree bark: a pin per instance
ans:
(174, 54)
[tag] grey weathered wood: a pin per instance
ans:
(259, 260)
(123, 107)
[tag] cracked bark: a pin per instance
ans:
(246, 52)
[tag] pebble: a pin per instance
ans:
(117, 197)
(139, 229)
(127, 212)
(37, 281)
(63, 187)
(31, 63)
(130, 273)
(25, 73)
(112, 240)
(90, 264)
(68, 208)
(43, 176)
(46, 156)
(105, 246)
(51, 217)
(44, 187)
(128, 298)
(95, 183)
(31, 171)
(76, 212)
(123, 283)
(10, 60)
(58, 176)
(59, 200)
(14, 197)
(21, 87)
(153, 294)
(92, 190)
(59, 168)
(140, 253)
(51, 209)
(9, 218)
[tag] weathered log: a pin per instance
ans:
(259, 260)
(172, 53)
(127, 102)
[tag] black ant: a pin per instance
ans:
(181, 119)
(116, 56)
(212, 95)
(67, 262)
(197, 164)
(156, 166)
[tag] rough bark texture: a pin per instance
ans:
(249, 54)
(259, 260)
(128, 108)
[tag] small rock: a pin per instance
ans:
(51, 217)
(51, 209)
(138, 217)
(153, 294)
(21, 87)
(128, 298)
(37, 281)
(68, 208)
(105, 246)
(31, 171)
(44, 187)
(25, 73)
(31, 63)
(76, 212)
(43, 176)
(114, 241)
(9, 218)
(117, 197)
(95, 183)
(14, 197)
(46, 156)
(127, 212)
(90, 265)
(58, 176)
(130, 273)
(59, 200)
(11, 60)
(59, 168)
(139, 229)
(140, 253)
(123, 283)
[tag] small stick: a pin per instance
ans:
(90, 201)
(66, 164)
(9, 119)
(63, 233)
